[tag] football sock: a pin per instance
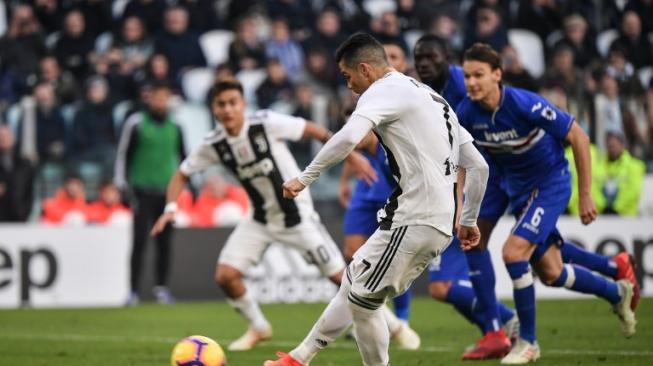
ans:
(572, 253)
(579, 279)
(371, 333)
(481, 274)
(524, 295)
(463, 300)
(391, 319)
(249, 309)
(402, 305)
(333, 321)
(505, 313)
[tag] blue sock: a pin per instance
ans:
(402, 304)
(572, 253)
(462, 298)
(481, 274)
(524, 294)
(505, 313)
(580, 279)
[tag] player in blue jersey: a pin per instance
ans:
(524, 134)
(367, 199)
(449, 275)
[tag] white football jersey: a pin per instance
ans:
(421, 136)
(259, 158)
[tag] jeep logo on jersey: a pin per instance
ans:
(261, 143)
(224, 153)
(258, 169)
(501, 136)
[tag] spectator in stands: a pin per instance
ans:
(9, 87)
(448, 29)
(119, 75)
(501, 6)
(609, 115)
(577, 37)
(303, 99)
(202, 15)
(75, 45)
(649, 109)
(489, 28)
(178, 44)
(389, 30)
(97, 14)
(108, 208)
(151, 147)
(150, 11)
(564, 75)
(321, 75)
(50, 14)
(276, 87)
(282, 47)
(409, 15)
(219, 203)
(644, 8)
(16, 180)
(328, 34)
(246, 51)
(63, 81)
(635, 44)
(22, 47)
(299, 14)
(68, 206)
(94, 137)
(623, 71)
(624, 177)
(158, 71)
(135, 43)
(514, 72)
(42, 130)
(540, 16)
(353, 16)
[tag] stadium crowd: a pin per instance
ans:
(73, 71)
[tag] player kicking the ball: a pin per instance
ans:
(424, 145)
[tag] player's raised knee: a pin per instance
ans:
(439, 290)
(225, 275)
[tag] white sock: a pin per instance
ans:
(249, 309)
(372, 335)
(334, 320)
(391, 319)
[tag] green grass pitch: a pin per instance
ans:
(578, 332)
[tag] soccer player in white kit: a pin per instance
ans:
(253, 147)
(425, 145)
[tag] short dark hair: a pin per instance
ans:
(482, 52)
(361, 47)
(432, 39)
(159, 84)
(224, 85)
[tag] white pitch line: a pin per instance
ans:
(287, 344)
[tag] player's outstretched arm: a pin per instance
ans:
(175, 186)
(358, 164)
(580, 145)
(334, 151)
(476, 174)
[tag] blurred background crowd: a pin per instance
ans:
(73, 71)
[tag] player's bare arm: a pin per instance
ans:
(580, 145)
(175, 186)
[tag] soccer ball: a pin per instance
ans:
(198, 351)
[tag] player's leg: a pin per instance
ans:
(142, 220)
(244, 248)
(161, 290)
(621, 266)
(577, 278)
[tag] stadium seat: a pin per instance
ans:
(103, 42)
(215, 45)
(411, 38)
(195, 121)
(604, 40)
(530, 50)
(196, 83)
(645, 74)
(118, 7)
(52, 39)
(119, 113)
(251, 79)
(376, 8)
(3, 18)
(13, 117)
(553, 38)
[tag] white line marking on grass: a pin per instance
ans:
(287, 344)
